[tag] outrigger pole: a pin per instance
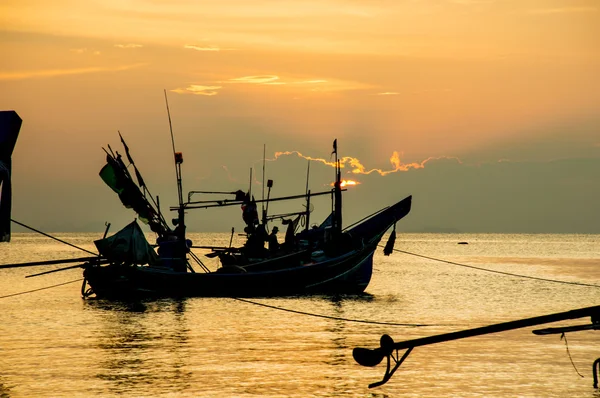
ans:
(225, 202)
(372, 357)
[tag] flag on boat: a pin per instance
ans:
(126, 149)
(140, 180)
(115, 175)
(112, 176)
(249, 210)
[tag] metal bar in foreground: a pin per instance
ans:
(372, 357)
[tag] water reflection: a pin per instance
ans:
(142, 343)
(4, 389)
(150, 305)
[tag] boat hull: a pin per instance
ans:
(346, 274)
(343, 266)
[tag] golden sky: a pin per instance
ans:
(477, 80)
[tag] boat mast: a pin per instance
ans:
(337, 219)
(264, 214)
(178, 157)
(307, 197)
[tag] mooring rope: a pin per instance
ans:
(340, 318)
(497, 272)
(52, 237)
(569, 353)
(41, 288)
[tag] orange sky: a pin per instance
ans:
(479, 80)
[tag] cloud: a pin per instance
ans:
(272, 80)
(388, 93)
(198, 89)
(84, 50)
(563, 10)
(129, 45)
(64, 72)
(313, 81)
(467, 2)
(311, 84)
(357, 167)
(205, 48)
(261, 79)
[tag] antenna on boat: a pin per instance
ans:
(250, 184)
(264, 214)
(337, 220)
(307, 196)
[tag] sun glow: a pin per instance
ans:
(345, 183)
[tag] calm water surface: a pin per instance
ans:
(54, 344)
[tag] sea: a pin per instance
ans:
(54, 343)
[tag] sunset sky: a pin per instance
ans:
(486, 111)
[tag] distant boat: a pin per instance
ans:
(463, 243)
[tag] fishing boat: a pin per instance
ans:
(322, 259)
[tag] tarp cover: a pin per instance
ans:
(128, 246)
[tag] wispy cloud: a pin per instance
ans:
(84, 50)
(312, 81)
(472, 1)
(197, 89)
(356, 166)
(212, 88)
(388, 93)
(36, 74)
(563, 10)
(205, 48)
(261, 79)
(311, 84)
(129, 45)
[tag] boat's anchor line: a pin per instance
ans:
(390, 349)
(495, 271)
(85, 293)
(336, 318)
(41, 288)
(53, 237)
(595, 371)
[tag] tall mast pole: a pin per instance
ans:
(177, 162)
(307, 197)
(338, 194)
(264, 215)
(180, 228)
